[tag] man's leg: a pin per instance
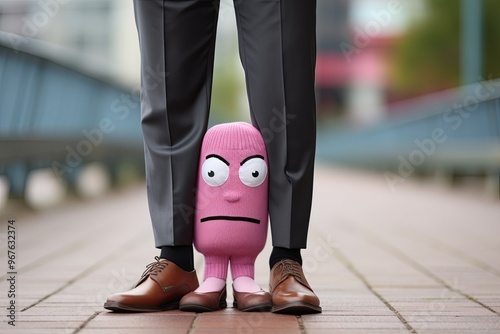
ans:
(278, 49)
(177, 41)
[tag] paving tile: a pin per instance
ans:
(441, 306)
(493, 326)
(162, 330)
(478, 312)
(246, 321)
(364, 311)
(110, 316)
(356, 331)
(52, 318)
(23, 330)
(62, 310)
(458, 331)
(245, 331)
(48, 324)
(142, 321)
(375, 322)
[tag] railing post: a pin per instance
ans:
(471, 41)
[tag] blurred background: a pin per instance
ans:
(407, 89)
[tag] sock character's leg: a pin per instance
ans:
(215, 275)
(242, 271)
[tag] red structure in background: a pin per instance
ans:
(352, 78)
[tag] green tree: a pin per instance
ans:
(428, 56)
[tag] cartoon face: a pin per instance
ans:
(232, 184)
(252, 172)
(232, 188)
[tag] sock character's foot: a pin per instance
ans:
(204, 301)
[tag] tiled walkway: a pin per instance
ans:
(420, 259)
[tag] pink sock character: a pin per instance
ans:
(231, 216)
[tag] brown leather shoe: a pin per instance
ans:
(204, 301)
(291, 293)
(259, 301)
(160, 288)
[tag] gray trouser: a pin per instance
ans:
(277, 46)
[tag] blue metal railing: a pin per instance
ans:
(54, 114)
(461, 128)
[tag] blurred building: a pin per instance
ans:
(102, 31)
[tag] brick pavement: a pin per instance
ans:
(421, 259)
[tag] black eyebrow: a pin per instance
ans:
(251, 157)
(218, 157)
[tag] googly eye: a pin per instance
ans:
(253, 172)
(215, 172)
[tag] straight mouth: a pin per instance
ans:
(233, 218)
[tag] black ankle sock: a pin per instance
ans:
(280, 253)
(180, 255)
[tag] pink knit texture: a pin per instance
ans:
(222, 200)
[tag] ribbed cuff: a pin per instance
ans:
(243, 266)
(216, 266)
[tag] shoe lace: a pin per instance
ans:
(154, 268)
(289, 268)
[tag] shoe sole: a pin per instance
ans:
(201, 308)
(124, 308)
(254, 308)
(296, 308)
